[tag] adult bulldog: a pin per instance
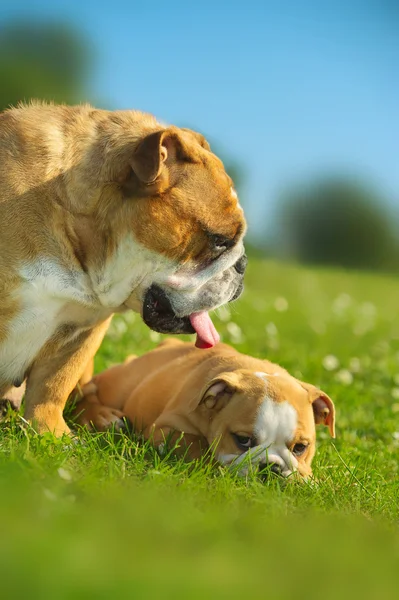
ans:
(101, 212)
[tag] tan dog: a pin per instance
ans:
(101, 212)
(252, 410)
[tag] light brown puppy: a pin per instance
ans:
(102, 212)
(253, 411)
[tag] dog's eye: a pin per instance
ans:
(243, 441)
(299, 449)
(221, 243)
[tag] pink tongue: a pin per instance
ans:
(207, 336)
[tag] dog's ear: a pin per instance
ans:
(218, 392)
(149, 156)
(162, 148)
(323, 407)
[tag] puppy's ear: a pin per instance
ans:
(218, 392)
(161, 148)
(323, 407)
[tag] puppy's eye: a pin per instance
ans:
(299, 449)
(243, 441)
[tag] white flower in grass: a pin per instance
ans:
(120, 326)
(155, 336)
(235, 332)
(395, 435)
(368, 309)
(330, 362)
(395, 393)
(341, 303)
(49, 495)
(224, 313)
(271, 329)
(129, 317)
(64, 474)
(273, 344)
(344, 376)
(117, 328)
(355, 365)
(318, 327)
(281, 304)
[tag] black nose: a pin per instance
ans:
(240, 267)
(265, 469)
(275, 468)
(241, 264)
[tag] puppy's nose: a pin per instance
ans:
(241, 264)
(275, 468)
(265, 469)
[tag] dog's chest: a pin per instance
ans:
(48, 298)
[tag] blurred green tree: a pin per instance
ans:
(45, 61)
(336, 222)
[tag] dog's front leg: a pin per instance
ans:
(183, 445)
(54, 376)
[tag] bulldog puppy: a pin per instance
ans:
(102, 212)
(250, 411)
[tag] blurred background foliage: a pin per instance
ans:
(45, 61)
(336, 221)
(329, 220)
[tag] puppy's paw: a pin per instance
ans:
(102, 418)
(7, 406)
(109, 418)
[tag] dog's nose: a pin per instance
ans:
(241, 264)
(275, 468)
(265, 469)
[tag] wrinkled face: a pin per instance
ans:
(181, 219)
(265, 422)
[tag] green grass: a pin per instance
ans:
(106, 516)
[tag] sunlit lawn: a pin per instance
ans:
(106, 517)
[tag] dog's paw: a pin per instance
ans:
(103, 418)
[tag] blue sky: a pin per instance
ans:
(287, 89)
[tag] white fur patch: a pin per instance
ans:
(48, 297)
(275, 422)
(235, 196)
(264, 376)
(130, 271)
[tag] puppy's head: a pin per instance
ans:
(169, 204)
(264, 420)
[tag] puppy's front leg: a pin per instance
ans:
(184, 445)
(54, 376)
(91, 413)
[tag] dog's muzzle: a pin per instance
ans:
(159, 315)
